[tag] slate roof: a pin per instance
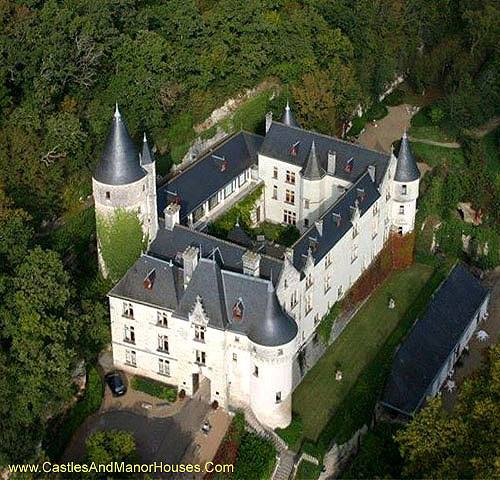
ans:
(280, 138)
(406, 167)
(146, 155)
(432, 339)
(205, 177)
(169, 244)
(119, 162)
(165, 289)
(364, 192)
(239, 236)
(312, 169)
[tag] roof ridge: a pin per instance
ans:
(312, 132)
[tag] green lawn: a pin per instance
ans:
(435, 156)
(155, 389)
(319, 395)
(431, 132)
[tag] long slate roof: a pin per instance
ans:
(165, 291)
(169, 245)
(280, 138)
(364, 193)
(432, 339)
(119, 162)
(205, 177)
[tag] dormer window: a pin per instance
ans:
(238, 310)
(162, 319)
(360, 194)
(337, 219)
(294, 149)
(199, 333)
(150, 280)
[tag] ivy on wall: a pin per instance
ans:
(121, 241)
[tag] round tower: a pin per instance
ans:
(405, 189)
(120, 183)
(271, 384)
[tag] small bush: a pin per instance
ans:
(325, 327)
(395, 98)
(256, 458)
(155, 389)
(293, 434)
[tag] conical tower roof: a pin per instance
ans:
(288, 118)
(406, 167)
(277, 327)
(312, 169)
(146, 155)
(119, 162)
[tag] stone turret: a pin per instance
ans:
(122, 182)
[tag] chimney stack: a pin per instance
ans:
(251, 263)
(332, 160)
(172, 215)
(269, 120)
(190, 262)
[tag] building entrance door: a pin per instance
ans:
(196, 382)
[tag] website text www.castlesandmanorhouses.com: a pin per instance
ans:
(121, 467)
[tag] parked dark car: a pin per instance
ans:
(116, 384)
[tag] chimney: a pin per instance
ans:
(190, 262)
(371, 171)
(269, 120)
(319, 227)
(332, 160)
(251, 263)
(172, 215)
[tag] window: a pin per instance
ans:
(237, 339)
(199, 333)
(309, 280)
(309, 305)
(290, 177)
(129, 334)
(293, 300)
(289, 217)
(275, 172)
(163, 343)
(340, 292)
(162, 319)
(235, 357)
(401, 209)
(355, 230)
(278, 397)
(306, 203)
(256, 370)
(290, 197)
(280, 352)
(328, 259)
(327, 282)
(375, 209)
(164, 367)
(404, 189)
(108, 195)
(306, 223)
(242, 179)
(400, 231)
(374, 228)
(275, 192)
(228, 190)
(238, 310)
(316, 319)
(128, 310)
(130, 358)
(354, 253)
(213, 202)
(201, 357)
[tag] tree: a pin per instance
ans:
(112, 446)
(461, 444)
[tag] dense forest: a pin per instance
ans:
(169, 64)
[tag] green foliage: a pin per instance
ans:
(325, 327)
(61, 429)
(377, 111)
(379, 455)
(256, 458)
(121, 241)
(155, 389)
(307, 471)
(113, 446)
(285, 235)
(395, 98)
(293, 434)
(463, 443)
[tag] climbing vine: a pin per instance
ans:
(121, 241)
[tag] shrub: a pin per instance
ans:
(293, 434)
(60, 432)
(307, 471)
(256, 458)
(395, 98)
(325, 327)
(155, 389)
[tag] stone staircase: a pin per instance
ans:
(286, 458)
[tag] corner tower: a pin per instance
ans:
(405, 189)
(123, 191)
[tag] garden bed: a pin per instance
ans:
(155, 389)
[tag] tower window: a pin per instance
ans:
(108, 195)
(256, 370)
(401, 209)
(275, 172)
(404, 189)
(278, 397)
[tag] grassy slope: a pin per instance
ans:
(435, 156)
(319, 394)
